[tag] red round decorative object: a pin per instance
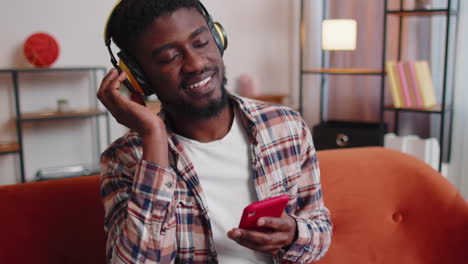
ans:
(41, 49)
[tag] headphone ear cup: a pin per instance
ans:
(220, 37)
(135, 74)
(132, 85)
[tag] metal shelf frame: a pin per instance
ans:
(20, 117)
(445, 109)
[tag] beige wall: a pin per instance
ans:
(260, 44)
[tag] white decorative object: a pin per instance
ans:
(427, 150)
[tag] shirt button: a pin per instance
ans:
(169, 185)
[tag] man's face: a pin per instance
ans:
(182, 62)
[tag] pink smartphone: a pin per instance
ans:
(273, 207)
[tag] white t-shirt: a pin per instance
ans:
(224, 169)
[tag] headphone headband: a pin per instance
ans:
(107, 36)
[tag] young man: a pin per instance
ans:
(174, 186)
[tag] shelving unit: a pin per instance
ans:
(355, 131)
(20, 118)
(445, 108)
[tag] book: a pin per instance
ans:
(403, 85)
(423, 74)
(414, 84)
(410, 83)
(394, 83)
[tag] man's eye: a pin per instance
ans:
(200, 44)
(169, 59)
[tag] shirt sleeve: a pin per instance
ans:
(314, 227)
(136, 195)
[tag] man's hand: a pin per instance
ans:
(282, 235)
(127, 112)
(133, 114)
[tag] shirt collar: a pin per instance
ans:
(246, 116)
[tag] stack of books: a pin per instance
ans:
(411, 84)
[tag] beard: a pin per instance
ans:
(212, 109)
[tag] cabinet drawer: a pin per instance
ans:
(338, 134)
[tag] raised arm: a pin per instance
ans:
(137, 186)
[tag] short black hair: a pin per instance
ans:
(131, 18)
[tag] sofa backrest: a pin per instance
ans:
(389, 207)
(52, 222)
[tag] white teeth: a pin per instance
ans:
(205, 81)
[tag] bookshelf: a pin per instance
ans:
(440, 115)
(443, 110)
(331, 133)
(17, 147)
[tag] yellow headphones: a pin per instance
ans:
(136, 81)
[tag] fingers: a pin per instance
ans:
(130, 113)
(265, 242)
(278, 224)
(108, 91)
(108, 78)
(282, 234)
(111, 80)
(114, 85)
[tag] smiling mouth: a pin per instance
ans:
(201, 83)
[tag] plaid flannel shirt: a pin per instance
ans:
(159, 215)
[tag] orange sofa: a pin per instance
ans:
(387, 207)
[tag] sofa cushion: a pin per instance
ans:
(389, 207)
(57, 221)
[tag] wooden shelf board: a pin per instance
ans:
(50, 115)
(10, 147)
(344, 71)
(434, 109)
(421, 12)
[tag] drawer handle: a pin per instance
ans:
(342, 140)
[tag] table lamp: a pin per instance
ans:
(339, 34)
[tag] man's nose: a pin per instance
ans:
(194, 62)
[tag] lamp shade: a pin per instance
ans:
(339, 34)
